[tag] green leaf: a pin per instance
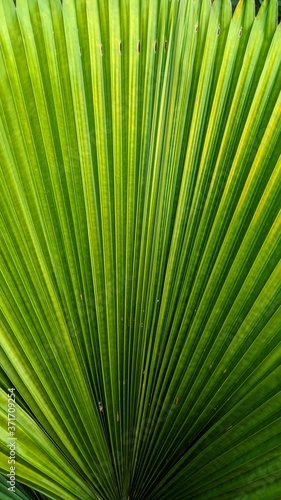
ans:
(140, 174)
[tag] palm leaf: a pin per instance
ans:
(140, 248)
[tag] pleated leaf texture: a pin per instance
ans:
(140, 167)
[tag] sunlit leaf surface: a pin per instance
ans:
(140, 232)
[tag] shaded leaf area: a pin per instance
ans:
(257, 6)
(259, 2)
(22, 492)
(140, 248)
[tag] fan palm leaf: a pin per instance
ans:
(140, 248)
